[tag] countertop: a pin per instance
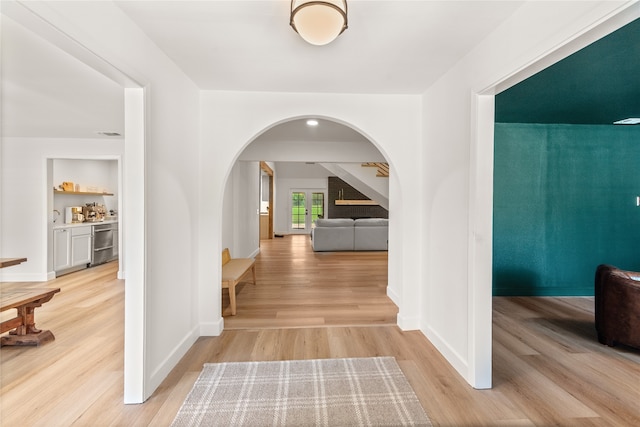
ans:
(83, 224)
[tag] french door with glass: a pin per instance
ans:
(306, 207)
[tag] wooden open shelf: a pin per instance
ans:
(83, 193)
(356, 203)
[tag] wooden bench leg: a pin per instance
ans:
(232, 297)
(253, 270)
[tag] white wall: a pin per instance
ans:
(299, 170)
(241, 204)
(228, 212)
(232, 120)
(458, 141)
(169, 298)
(87, 173)
(102, 174)
(26, 212)
(326, 151)
(368, 176)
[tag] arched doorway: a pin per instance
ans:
(303, 157)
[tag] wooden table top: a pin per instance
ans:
(8, 262)
(14, 297)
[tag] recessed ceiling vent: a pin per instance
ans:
(107, 133)
(629, 121)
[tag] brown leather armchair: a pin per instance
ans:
(617, 306)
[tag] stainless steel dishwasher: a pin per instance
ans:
(102, 243)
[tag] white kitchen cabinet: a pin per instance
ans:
(61, 249)
(72, 247)
(81, 246)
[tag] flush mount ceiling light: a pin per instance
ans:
(312, 122)
(319, 22)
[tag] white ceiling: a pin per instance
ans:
(389, 47)
(398, 47)
(299, 132)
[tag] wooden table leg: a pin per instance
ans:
(26, 334)
(29, 339)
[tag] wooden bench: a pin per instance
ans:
(233, 269)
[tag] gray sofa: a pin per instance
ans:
(345, 234)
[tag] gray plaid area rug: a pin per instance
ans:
(324, 392)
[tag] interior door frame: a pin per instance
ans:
(264, 167)
(40, 19)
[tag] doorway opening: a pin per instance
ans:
(298, 287)
(307, 205)
(266, 201)
(481, 197)
(86, 171)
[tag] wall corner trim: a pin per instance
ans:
(212, 329)
(165, 367)
(407, 323)
(454, 358)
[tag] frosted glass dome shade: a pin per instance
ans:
(319, 22)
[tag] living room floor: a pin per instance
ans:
(298, 287)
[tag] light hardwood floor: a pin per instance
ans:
(549, 369)
(301, 288)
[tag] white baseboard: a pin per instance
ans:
(160, 373)
(121, 275)
(452, 356)
(7, 276)
(391, 293)
(212, 329)
(255, 253)
(408, 323)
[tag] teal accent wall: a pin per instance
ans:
(564, 202)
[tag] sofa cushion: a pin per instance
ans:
(334, 222)
(371, 234)
(371, 222)
(339, 234)
(332, 238)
